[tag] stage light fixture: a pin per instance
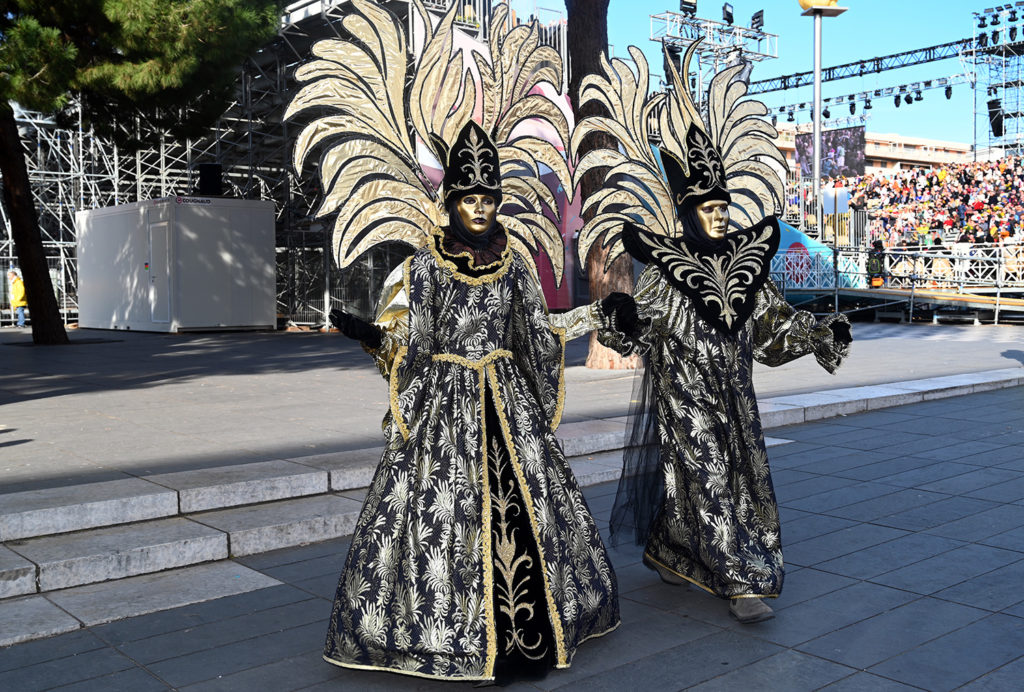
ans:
(727, 13)
(908, 99)
(1013, 34)
(775, 120)
(853, 108)
(757, 21)
(1013, 15)
(896, 100)
(867, 105)
(995, 37)
(949, 92)
(918, 96)
(688, 8)
(825, 113)
(982, 40)
(790, 118)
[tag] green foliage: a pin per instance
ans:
(173, 62)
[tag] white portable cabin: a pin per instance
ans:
(177, 263)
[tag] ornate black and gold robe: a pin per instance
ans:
(475, 554)
(703, 501)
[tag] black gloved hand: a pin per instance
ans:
(354, 328)
(624, 308)
(841, 332)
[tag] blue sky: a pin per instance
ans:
(870, 28)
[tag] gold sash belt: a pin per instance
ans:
(479, 364)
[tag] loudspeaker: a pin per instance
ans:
(210, 184)
(995, 117)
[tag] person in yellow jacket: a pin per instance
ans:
(18, 302)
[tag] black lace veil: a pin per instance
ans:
(641, 491)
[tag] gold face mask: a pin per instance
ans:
(477, 212)
(714, 218)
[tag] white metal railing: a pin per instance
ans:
(961, 268)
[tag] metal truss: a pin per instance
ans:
(71, 168)
(999, 60)
(904, 93)
(721, 45)
(864, 67)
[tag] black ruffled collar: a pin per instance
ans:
(722, 279)
(473, 261)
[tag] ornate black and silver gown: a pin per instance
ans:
(710, 514)
(475, 554)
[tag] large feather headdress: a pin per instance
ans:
(729, 152)
(369, 166)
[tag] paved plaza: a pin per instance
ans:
(903, 527)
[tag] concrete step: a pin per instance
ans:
(77, 507)
(17, 575)
(283, 524)
(67, 560)
(115, 552)
(243, 484)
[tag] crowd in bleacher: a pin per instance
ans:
(978, 202)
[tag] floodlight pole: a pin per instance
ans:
(818, 13)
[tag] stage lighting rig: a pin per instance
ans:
(688, 9)
(727, 16)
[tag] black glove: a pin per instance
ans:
(841, 332)
(354, 328)
(623, 307)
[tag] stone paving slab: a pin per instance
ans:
(283, 524)
(243, 484)
(76, 507)
(882, 607)
(121, 551)
(32, 617)
(17, 575)
(149, 593)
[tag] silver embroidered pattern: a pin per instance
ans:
(481, 172)
(719, 280)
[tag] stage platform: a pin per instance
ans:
(944, 298)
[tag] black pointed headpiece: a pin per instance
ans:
(701, 178)
(473, 165)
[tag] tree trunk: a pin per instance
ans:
(47, 327)
(587, 40)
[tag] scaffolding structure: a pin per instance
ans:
(722, 44)
(71, 168)
(999, 58)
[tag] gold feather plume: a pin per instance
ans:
(634, 186)
(369, 167)
(519, 64)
